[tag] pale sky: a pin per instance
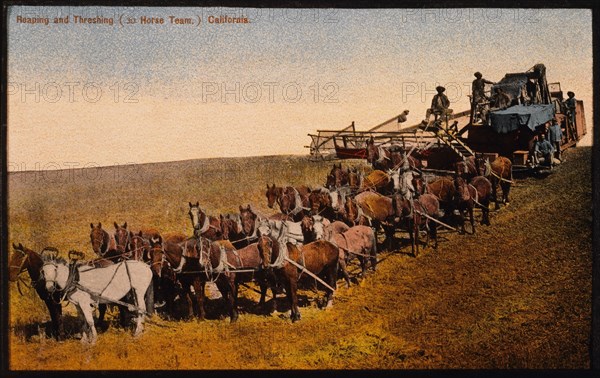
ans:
(96, 94)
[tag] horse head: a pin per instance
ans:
(248, 220)
(156, 254)
(17, 261)
(317, 201)
(287, 200)
(100, 239)
(273, 193)
(372, 151)
(196, 214)
(229, 226)
(353, 178)
(265, 250)
(139, 246)
(337, 177)
(55, 273)
(122, 238)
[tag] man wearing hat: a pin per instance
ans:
(478, 88)
(570, 104)
(439, 104)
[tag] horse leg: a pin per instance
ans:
(343, 270)
(331, 281)
(84, 306)
(495, 192)
(55, 310)
(140, 312)
(290, 278)
(505, 190)
(373, 252)
(101, 313)
(433, 230)
(233, 285)
(200, 296)
(471, 218)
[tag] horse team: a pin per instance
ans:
(310, 241)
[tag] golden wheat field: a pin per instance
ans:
(517, 294)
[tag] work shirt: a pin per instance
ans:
(555, 133)
(478, 89)
(440, 102)
(544, 147)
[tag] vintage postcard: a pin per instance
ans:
(199, 188)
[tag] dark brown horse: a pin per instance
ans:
(413, 215)
(320, 257)
(188, 260)
(166, 285)
(24, 259)
(499, 172)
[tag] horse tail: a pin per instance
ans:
(149, 299)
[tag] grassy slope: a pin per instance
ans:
(515, 295)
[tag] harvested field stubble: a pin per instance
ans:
(517, 294)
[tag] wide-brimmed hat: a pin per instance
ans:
(478, 74)
(569, 93)
(439, 88)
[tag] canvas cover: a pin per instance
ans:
(504, 121)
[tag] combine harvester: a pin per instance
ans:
(482, 130)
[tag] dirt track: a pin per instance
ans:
(516, 294)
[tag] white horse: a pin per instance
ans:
(100, 285)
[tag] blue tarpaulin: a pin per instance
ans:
(504, 121)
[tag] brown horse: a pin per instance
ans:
(483, 193)
(499, 172)
(122, 239)
(467, 168)
(248, 219)
(204, 225)
(104, 244)
(353, 178)
(166, 285)
(24, 259)
(139, 246)
(465, 201)
(235, 266)
(359, 241)
(188, 260)
(379, 211)
(443, 188)
(337, 177)
(320, 257)
(413, 214)
(294, 202)
(378, 181)
(231, 227)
